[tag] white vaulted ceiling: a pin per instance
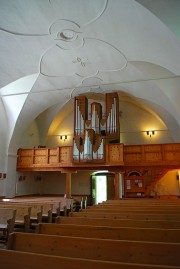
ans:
(53, 50)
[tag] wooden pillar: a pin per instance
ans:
(119, 190)
(116, 181)
(68, 185)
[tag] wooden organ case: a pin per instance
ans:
(91, 134)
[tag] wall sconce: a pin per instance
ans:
(150, 133)
(63, 137)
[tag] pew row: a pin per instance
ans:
(59, 204)
(128, 215)
(162, 224)
(132, 210)
(144, 202)
(106, 232)
(7, 221)
(23, 213)
(38, 211)
(135, 207)
(16, 259)
(154, 253)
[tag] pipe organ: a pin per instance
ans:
(91, 134)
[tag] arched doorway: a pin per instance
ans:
(102, 187)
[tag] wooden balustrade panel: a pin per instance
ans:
(66, 156)
(115, 153)
(167, 155)
(53, 156)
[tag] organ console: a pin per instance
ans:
(90, 134)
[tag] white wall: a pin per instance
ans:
(134, 122)
(54, 183)
(65, 128)
(81, 183)
(134, 119)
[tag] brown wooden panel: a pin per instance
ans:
(40, 160)
(53, 151)
(132, 157)
(26, 152)
(66, 155)
(133, 148)
(38, 152)
(153, 156)
(53, 159)
(172, 155)
(115, 153)
(172, 147)
(25, 160)
(152, 148)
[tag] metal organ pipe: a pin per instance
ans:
(115, 128)
(93, 118)
(76, 127)
(112, 117)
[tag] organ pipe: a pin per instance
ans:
(90, 132)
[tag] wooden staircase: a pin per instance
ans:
(152, 177)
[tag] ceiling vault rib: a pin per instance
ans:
(90, 86)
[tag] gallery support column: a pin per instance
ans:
(121, 185)
(116, 183)
(68, 185)
(119, 189)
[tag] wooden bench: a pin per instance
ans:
(120, 222)
(60, 204)
(22, 219)
(134, 207)
(129, 215)
(40, 211)
(16, 259)
(144, 200)
(141, 202)
(139, 252)
(107, 232)
(133, 210)
(7, 221)
(36, 210)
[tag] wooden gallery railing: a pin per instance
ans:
(117, 158)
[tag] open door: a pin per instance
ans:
(102, 188)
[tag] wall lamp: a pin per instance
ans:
(150, 133)
(63, 137)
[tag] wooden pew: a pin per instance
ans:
(7, 221)
(141, 202)
(133, 210)
(36, 209)
(40, 211)
(60, 204)
(162, 224)
(156, 253)
(16, 259)
(134, 207)
(107, 232)
(22, 219)
(129, 215)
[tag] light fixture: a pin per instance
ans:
(63, 137)
(150, 133)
